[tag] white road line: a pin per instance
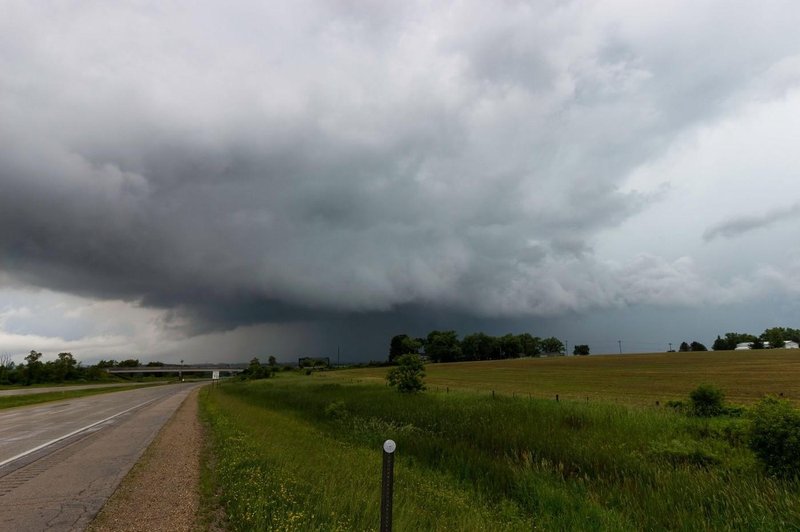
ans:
(73, 433)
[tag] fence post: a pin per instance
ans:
(387, 485)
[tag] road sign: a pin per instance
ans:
(215, 375)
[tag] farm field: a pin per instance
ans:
(744, 376)
(300, 452)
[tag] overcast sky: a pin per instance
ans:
(220, 180)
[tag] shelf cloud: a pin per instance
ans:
(267, 163)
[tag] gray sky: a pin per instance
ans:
(213, 181)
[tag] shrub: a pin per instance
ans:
(775, 437)
(678, 406)
(706, 401)
(407, 375)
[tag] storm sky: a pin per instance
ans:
(215, 181)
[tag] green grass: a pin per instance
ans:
(299, 453)
(13, 401)
(745, 376)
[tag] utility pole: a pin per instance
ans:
(338, 362)
(620, 346)
(566, 349)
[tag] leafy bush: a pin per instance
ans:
(407, 375)
(775, 437)
(706, 401)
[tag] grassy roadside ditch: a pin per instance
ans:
(12, 401)
(295, 454)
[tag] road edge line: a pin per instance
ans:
(73, 433)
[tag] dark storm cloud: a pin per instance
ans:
(261, 163)
(740, 225)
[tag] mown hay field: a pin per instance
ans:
(642, 379)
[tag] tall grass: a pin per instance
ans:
(469, 462)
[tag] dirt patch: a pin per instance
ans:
(162, 491)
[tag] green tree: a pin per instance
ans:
(684, 347)
(720, 345)
(443, 346)
(408, 375)
(272, 361)
(530, 344)
(480, 346)
(95, 373)
(697, 346)
(732, 339)
(776, 336)
(396, 347)
(6, 367)
(581, 349)
(552, 345)
(255, 370)
(510, 346)
(403, 344)
(64, 367)
(33, 368)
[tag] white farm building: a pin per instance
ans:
(787, 344)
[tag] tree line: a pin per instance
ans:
(65, 368)
(773, 336)
(445, 346)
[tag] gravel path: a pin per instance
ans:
(162, 491)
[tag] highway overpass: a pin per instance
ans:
(174, 368)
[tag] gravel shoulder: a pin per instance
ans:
(161, 492)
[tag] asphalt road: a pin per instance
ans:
(45, 389)
(60, 462)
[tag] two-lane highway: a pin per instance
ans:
(59, 462)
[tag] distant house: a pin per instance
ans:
(787, 344)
